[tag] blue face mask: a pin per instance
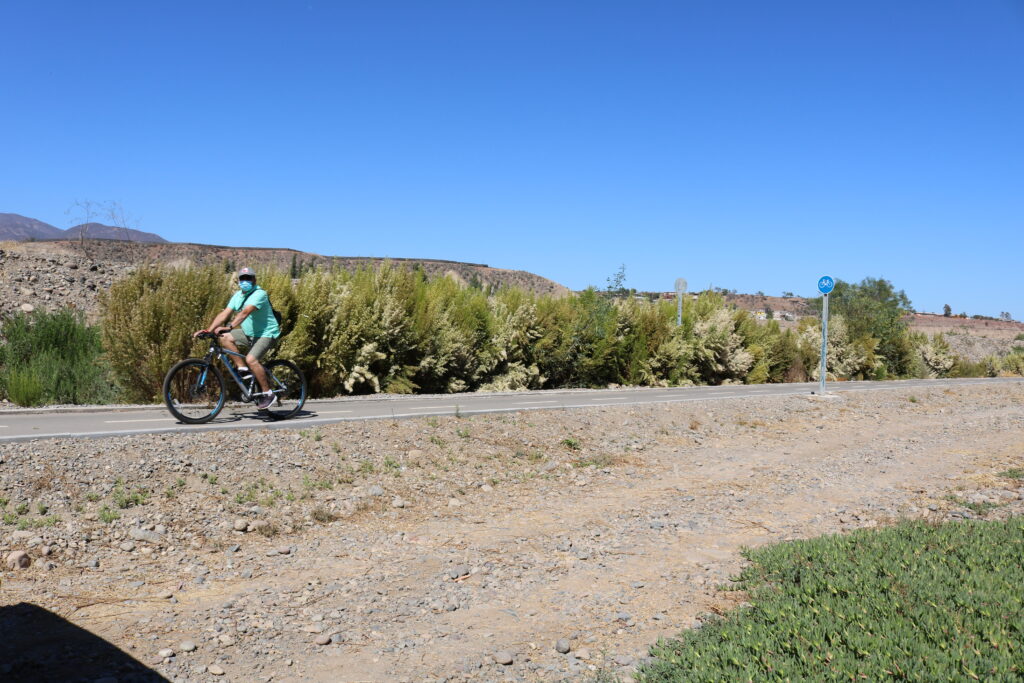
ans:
(246, 285)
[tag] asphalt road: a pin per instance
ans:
(25, 425)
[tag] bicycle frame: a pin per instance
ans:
(218, 351)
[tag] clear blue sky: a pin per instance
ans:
(749, 145)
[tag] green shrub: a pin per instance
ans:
(148, 321)
(913, 602)
(965, 368)
(1013, 363)
(49, 358)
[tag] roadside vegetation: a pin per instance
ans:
(915, 602)
(53, 358)
(393, 329)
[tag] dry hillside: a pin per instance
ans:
(58, 274)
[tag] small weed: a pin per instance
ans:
(323, 515)
(694, 425)
(437, 441)
(42, 507)
(290, 496)
(458, 413)
(336, 447)
(462, 433)
(392, 465)
(25, 524)
(980, 509)
(322, 484)
(3, 502)
(180, 483)
(571, 443)
(1013, 473)
(366, 467)
(433, 421)
(170, 493)
(92, 496)
(599, 460)
(10, 518)
(21, 509)
(107, 515)
(912, 399)
(125, 499)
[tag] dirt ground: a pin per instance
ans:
(435, 548)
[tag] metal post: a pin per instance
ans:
(824, 343)
(680, 290)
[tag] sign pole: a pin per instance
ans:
(825, 285)
(680, 290)
(824, 342)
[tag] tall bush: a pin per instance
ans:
(148, 321)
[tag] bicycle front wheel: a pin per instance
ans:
(289, 386)
(194, 391)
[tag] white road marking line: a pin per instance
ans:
(331, 412)
(530, 403)
(429, 407)
(156, 419)
(618, 398)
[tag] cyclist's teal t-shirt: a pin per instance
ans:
(261, 322)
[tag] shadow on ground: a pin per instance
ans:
(38, 645)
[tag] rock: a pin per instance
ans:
(503, 657)
(375, 490)
(18, 559)
(165, 653)
(454, 503)
(187, 646)
(322, 639)
(127, 546)
(562, 645)
(458, 571)
(241, 525)
(19, 536)
(215, 670)
(284, 550)
(624, 660)
(414, 454)
(165, 595)
(486, 488)
(398, 503)
(145, 535)
(582, 653)
(27, 308)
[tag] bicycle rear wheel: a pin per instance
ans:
(194, 391)
(289, 386)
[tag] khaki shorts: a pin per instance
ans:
(256, 348)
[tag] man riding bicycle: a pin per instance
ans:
(252, 312)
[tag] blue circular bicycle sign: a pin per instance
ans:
(826, 284)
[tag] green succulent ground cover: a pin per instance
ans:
(914, 602)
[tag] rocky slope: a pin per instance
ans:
(520, 547)
(71, 273)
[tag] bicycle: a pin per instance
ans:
(194, 388)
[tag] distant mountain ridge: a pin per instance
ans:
(24, 229)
